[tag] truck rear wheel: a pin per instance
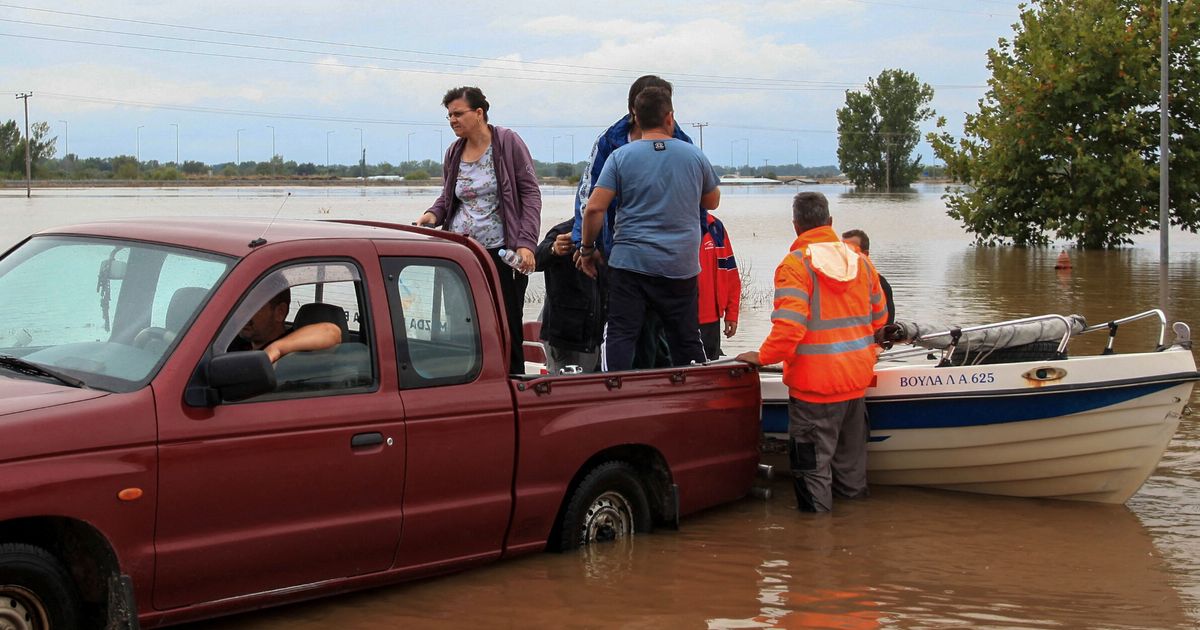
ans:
(36, 592)
(610, 503)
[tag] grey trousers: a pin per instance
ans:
(828, 451)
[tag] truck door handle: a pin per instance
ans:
(362, 440)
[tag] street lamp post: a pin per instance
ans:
(747, 141)
(272, 128)
(66, 144)
(572, 137)
(176, 126)
(797, 141)
(327, 134)
(409, 140)
(137, 156)
(237, 156)
(553, 146)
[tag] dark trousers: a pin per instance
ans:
(630, 294)
(512, 291)
(828, 451)
(710, 336)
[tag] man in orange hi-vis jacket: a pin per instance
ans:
(828, 305)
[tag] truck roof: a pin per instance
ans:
(232, 235)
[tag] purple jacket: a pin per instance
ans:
(519, 194)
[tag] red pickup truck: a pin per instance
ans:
(151, 474)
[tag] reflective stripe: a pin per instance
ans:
(839, 347)
(790, 315)
(876, 297)
(790, 292)
(839, 322)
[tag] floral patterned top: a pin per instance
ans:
(478, 215)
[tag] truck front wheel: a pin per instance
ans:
(36, 592)
(610, 503)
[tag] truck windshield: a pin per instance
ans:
(105, 312)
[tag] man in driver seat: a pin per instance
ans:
(268, 331)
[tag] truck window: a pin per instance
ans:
(433, 316)
(292, 298)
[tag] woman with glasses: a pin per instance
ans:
(490, 192)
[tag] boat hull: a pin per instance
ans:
(1094, 434)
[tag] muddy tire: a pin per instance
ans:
(610, 503)
(36, 592)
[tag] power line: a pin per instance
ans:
(919, 7)
(480, 74)
(732, 82)
(458, 56)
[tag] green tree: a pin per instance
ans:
(1065, 143)
(12, 147)
(877, 130)
(125, 167)
(416, 176)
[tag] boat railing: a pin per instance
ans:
(1116, 323)
(955, 334)
(1111, 326)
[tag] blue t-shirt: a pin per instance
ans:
(660, 183)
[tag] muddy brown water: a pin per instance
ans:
(904, 558)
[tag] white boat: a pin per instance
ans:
(1089, 428)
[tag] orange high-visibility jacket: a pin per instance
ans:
(828, 304)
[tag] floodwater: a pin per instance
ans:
(906, 557)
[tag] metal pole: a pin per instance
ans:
(362, 161)
(176, 126)
(553, 154)
(238, 148)
(138, 154)
(410, 135)
(747, 153)
(731, 143)
(1164, 167)
(272, 128)
(28, 141)
(327, 134)
(797, 141)
(66, 143)
(572, 137)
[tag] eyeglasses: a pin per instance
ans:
(457, 115)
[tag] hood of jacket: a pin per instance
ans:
(833, 261)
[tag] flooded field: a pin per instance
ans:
(905, 558)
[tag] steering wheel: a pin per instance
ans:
(153, 335)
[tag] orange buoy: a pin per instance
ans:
(1064, 261)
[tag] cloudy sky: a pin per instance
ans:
(766, 76)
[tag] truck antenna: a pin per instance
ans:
(262, 241)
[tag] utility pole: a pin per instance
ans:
(701, 127)
(410, 135)
(28, 141)
(177, 164)
(553, 154)
(1164, 167)
(797, 141)
(66, 143)
(731, 143)
(362, 156)
(327, 134)
(747, 153)
(272, 128)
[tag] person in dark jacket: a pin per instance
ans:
(859, 239)
(574, 313)
(490, 192)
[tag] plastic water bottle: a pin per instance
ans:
(512, 259)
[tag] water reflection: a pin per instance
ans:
(905, 557)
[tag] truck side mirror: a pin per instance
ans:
(241, 375)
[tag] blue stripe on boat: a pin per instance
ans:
(936, 413)
(945, 412)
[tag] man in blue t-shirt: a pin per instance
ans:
(665, 185)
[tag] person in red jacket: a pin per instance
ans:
(719, 285)
(828, 305)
